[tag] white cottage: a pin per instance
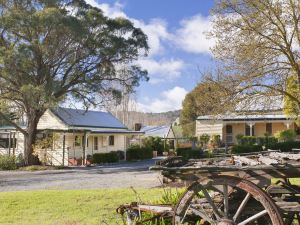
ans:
(78, 133)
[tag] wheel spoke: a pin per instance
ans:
(203, 215)
(210, 201)
(225, 193)
(185, 214)
(254, 217)
(242, 206)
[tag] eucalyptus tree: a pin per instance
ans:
(258, 42)
(52, 50)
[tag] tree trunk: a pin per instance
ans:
(33, 118)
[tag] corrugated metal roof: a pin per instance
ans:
(156, 131)
(82, 118)
(244, 117)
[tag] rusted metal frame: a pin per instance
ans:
(264, 199)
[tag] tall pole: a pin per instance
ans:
(84, 148)
(64, 148)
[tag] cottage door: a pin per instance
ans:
(229, 134)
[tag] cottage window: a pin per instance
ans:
(247, 130)
(269, 128)
(95, 143)
(78, 140)
(111, 140)
(4, 141)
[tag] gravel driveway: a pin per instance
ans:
(123, 175)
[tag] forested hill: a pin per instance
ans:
(151, 119)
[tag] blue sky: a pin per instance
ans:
(179, 48)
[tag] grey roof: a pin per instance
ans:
(156, 131)
(237, 117)
(82, 118)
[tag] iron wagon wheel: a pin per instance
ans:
(226, 200)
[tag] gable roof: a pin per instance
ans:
(83, 118)
(156, 131)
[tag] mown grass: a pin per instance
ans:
(71, 207)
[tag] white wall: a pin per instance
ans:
(209, 127)
(50, 121)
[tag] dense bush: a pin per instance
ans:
(188, 153)
(109, 157)
(286, 135)
(204, 139)
(7, 162)
(251, 140)
(248, 140)
(238, 149)
(284, 146)
(135, 152)
(155, 144)
(267, 140)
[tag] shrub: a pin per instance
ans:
(7, 162)
(267, 140)
(215, 141)
(204, 139)
(238, 149)
(286, 135)
(239, 138)
(135, 152)
(248, 140)
(109, 157)
(154, 143)
(284, 146)
(188, 153)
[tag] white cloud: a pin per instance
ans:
(162, 70)
(170, 100)
(192, 36)
(156, 29)
(114, 11)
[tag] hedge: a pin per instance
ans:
(238, 149)
(284, 146)
(188, 153)
(7, 162)
(135, 152)
(251, 140)
(109, 157)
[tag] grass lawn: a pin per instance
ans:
(71, 207)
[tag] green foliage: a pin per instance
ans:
(251, 140)
(286, 135)
(266, 140)
(109, 157)
(188, 153)
(284, 146)
(135, 152)
(7, 162)
(170, 196)
(154, 143)
(205, 99)
(204, 139)
(248, 140)
(239, 138)
(238, 149)
(290, 106)
(215, 141)
(51, 50)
